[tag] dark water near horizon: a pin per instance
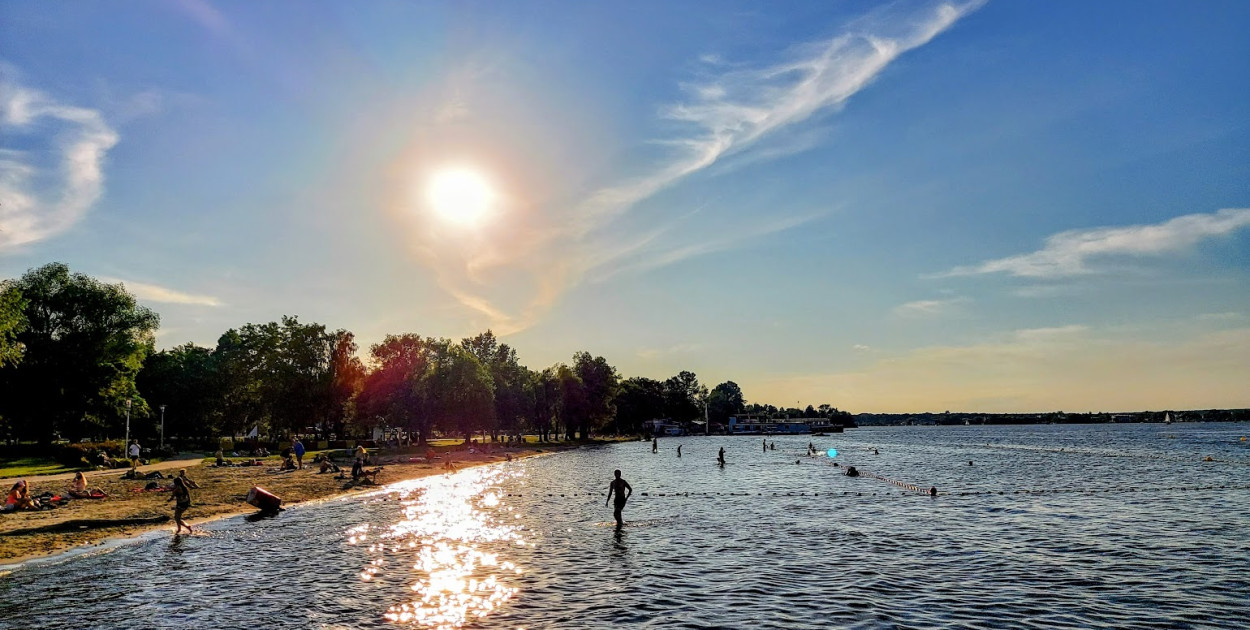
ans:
(1057, 526)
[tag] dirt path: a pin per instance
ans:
(183, 460)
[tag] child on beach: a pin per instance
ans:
(182, 497)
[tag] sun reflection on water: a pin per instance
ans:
(445, 536)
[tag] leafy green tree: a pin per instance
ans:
(601, 384)
(574, 408)
(682, 396)
(394, 391)
(725, 400)
(460, 390)
(347, 377)
(639, 400)
(185, 379)
(508, 376)
(544, 394)
(84, 342)
(12, 322)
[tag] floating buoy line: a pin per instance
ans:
(909, 489)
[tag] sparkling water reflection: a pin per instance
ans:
(1120, 526)
(444, 527)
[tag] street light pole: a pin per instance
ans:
(162, 427)
(126, 444)
(707, 423)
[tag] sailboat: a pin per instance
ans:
(1167, 417)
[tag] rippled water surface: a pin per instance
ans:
(1108, 526)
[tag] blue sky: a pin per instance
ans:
(1002, 206)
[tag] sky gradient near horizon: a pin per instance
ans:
(914, 206)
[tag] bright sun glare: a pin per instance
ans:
(461, 196)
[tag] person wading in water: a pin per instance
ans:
(720, 457)
(622, 490)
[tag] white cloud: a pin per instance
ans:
(859, 347)
(35, 205)
(164, 295)
(928, 308)
(1221, 317)
(1071, 253)
(734, 110)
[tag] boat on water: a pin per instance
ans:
(1167, 417)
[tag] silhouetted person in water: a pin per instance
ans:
(655, 445)
(772, 446)
(765, 446)
(679, 450)
(720, 457)
(622, 490)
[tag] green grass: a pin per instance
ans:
(32, 466)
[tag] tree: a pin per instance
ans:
(84, 342)
(600, 384)
(394, 389)
(724, 401)
(12, 322)
(508, 376)
(682, 394)
(639, 400)
(544, 395)
(185, 379)
(460, 390)
(347, 376)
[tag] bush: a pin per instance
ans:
(85, 453)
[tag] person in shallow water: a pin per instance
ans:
(182, 498)
(655, 445)
(679, 450)
(765, 446)
(621, 488)
(720, 457)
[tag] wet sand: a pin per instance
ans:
(222, 492)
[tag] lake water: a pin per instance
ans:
(1106, 526)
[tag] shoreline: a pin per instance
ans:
(224, 500)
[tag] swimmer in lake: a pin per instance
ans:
(765, 446)
(655, 445)
(621, 488)
(720, 457)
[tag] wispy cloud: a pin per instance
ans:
(163, 295)
(1074, 252)
(734, 110)
(679, 349)
(928, 308)
(36, 204)
(730, 110)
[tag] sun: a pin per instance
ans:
(461, 196)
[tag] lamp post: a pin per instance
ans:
(126, 444)
(162, 427)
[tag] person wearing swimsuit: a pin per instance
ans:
(182, 500)
(623, 491)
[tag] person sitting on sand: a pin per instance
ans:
(327, 463)
(288, 463)
(182, 497)
(19, 498)
(182, 474)
(78, 488)
(221, 458)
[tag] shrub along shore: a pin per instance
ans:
(82, 522)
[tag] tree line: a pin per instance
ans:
(78, 354)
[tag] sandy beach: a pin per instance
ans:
(222, 492)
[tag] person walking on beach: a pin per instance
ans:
(182, 498)
(298, 447)
(720, 457)
(134, 454)
(623, 491)
(655, 445)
